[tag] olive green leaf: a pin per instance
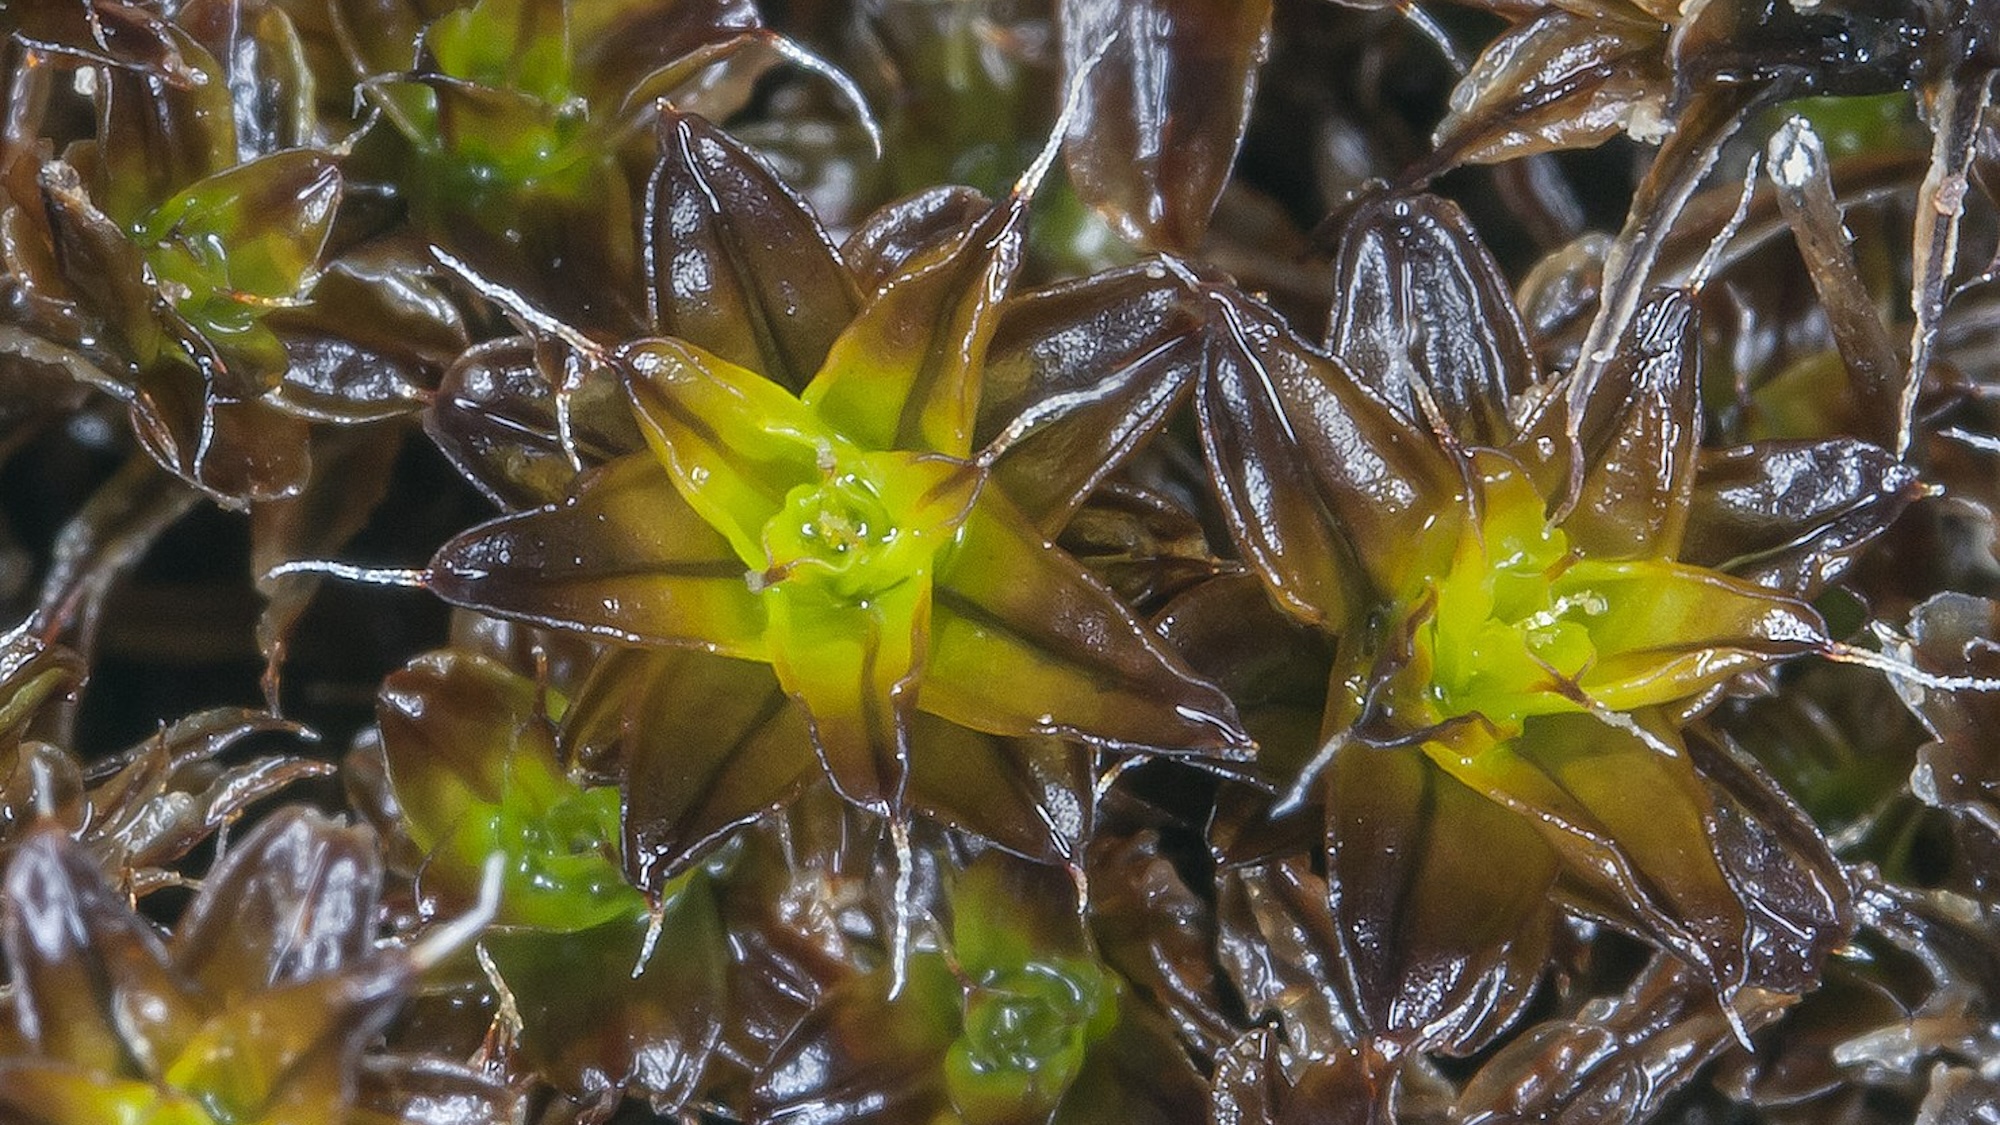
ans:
(49, 1094)
(472, 755)
(615, 1006)
(624, 558)
(259, 1017)
(234, 244)
(1076, 663)
(1630, 820)
(33, 674)
(156, 138)
(905, 373)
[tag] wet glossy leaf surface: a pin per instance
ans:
(472, 755)
(1009, 605)
(599, 1014)
(1080, 375)
(593, 563)
(1793, 515)
(1561, 80)
(1166, 90)
(904, 374)
(1421, 312)
(495, 415)
(623, 557)
(1637, 438)
(1324, 485)
(1440, 898)
(768, 294)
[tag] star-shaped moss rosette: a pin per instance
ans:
(607, 990)
(172, 254)
(846, 537)
(177, 296)
(1015, 1021)
(1490, 650)
(258, 1011)
(1535, 646)
(739, 266)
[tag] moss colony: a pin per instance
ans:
(990, 562)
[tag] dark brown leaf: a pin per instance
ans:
(375, 336)
(293, 900)
(1164, 109)
(495, 416)
(102, 32)
(1079, 376)
(706, 744)
(1798, 166)
(736, 262)
(92, 986)
(1637, 434)
(861, 1058)
(1160, 936)
(264, 65)
(1327, 489)
(1277, 936)
(897, 232)
(1423, 315)
(1617, 1061)
(1440, 898)
(1793, 515)
(1557, 81)
(1794, 892)
(1141, 543)
(235, 450)
(353, 475)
